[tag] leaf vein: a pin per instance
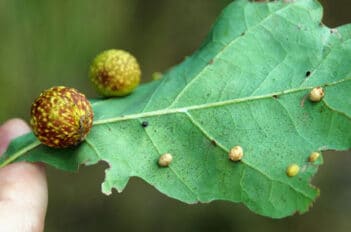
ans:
(172, 169)
(245, 161)
(90, 144)
(221, 52)
(293, 122)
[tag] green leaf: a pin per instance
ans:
(246, 85)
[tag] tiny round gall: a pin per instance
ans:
(236, 153)
(165, 160)
(292, 170)
(115, 73)
(61, 117)
(316, 94)
(313, 156)
(156, 76)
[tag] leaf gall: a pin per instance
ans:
(165, 160)
(292, 170)
(316, 94)
(313, 156)
(115, 73)
(236, 153)
(61, 117)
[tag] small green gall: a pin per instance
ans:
(313, 156)
(165, 160)
(115, 73)
(292, 170)
(61, 117)
(236, 153)
(316, 94)
(156, 76)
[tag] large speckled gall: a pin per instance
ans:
(115, 73)
(61, 117)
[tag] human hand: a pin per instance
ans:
(23, 187)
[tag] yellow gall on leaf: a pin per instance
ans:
(316, 94)
(115, 73)
(292, 170)
(61, 117)
(313, 156)
(236, 153)
(165, 160)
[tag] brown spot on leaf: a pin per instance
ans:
(302, 103)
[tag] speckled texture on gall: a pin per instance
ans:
(61, 117)
(115, 73)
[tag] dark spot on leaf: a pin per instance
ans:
(144, 124)
(211, 61)
(333, 30)
(308, 73)
(275, 96)
(213, 142)
(242, 34)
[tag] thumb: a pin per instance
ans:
(23, 187)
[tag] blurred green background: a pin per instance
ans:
(51, 42)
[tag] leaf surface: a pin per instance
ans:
(246, 85)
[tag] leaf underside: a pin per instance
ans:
(246, 85)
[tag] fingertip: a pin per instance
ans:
(23, 186)
(11, 129)
(23, 196)
(15, 127)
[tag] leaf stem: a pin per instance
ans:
(20, 153)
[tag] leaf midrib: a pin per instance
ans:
(189, 108)
(210, 104)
